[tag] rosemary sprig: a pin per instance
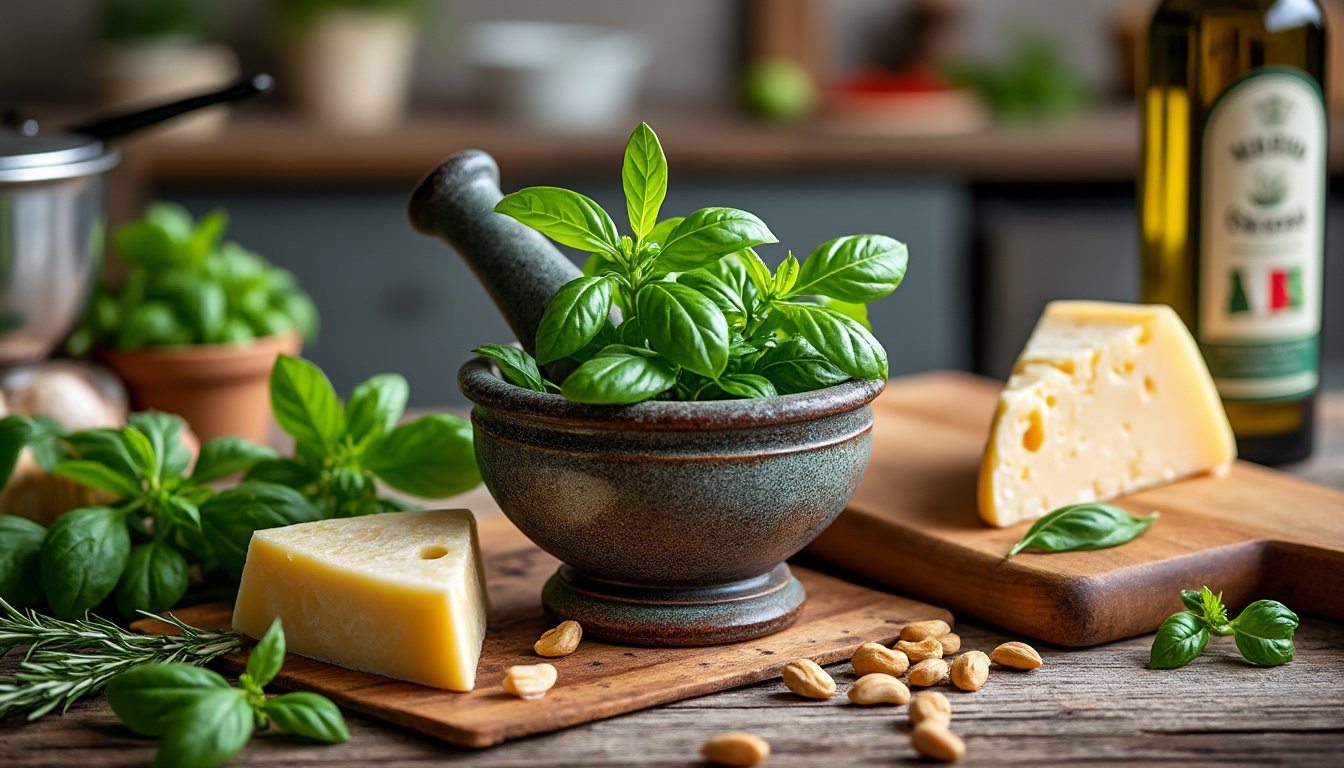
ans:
(69, 659)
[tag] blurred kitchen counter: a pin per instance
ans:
(261, 147)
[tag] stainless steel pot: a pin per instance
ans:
(52, 221)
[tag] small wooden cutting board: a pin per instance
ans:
(597, 681)
(913, 525)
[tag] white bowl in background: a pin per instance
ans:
(566, 76)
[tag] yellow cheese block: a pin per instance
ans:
(1105, 399)
(399, 594)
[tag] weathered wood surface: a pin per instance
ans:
(600, 680)
(1083, 707)
(1093, 706)
(913, 526)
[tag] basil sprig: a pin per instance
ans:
(1263, 632)
(703, 316)
(1081, 527)
(204, 722)
(138, 546)
(341, 449)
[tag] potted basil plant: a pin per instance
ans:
(690, 418)
(197, 322)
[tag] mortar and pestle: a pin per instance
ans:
(672, 519)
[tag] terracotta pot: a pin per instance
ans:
(220, 389)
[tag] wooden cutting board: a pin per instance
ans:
(913, 526)
(597, 681)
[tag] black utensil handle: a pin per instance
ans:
(518, 266)
(104, 128)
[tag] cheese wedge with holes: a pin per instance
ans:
(400, 594)
(1105, 399)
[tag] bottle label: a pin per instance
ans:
(1262, 236)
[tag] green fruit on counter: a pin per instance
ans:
(779, 89)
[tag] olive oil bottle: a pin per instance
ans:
(1232, 202)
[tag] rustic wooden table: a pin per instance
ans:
(1099, 705)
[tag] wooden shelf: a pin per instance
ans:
(261, 148)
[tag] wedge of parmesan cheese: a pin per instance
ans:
(1104, 400)
(400, 594)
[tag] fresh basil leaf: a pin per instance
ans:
(1192, 601)
(599, 263)
(518, 367)
(155, 579)
(1081, 527)
(287, 472)
(710, 234)
(305, 404)
(732, 271)
(153, 323)
(431, 457)
(747, 385)
(630, 333)
(794, 366)
(644, 179)
(95, 475)
(14, 434)
(20, 560)
(576, 314)
(209, 730)
(619, 375)
(855, 268)
(227, 455)
(144, 460)
(83, 557)
(856, 312)
(1211, 609)
(564, 216)
(726, 297)
(757, 272)
(144, 244)
(663, 230)
(267, 656)
(308, 715)
(46, 441)
(1264, 633)
(104, 445)
(376, 405)
(1180, 640)
(684, 326)
(785, 276)
(848, 345)
(164, 432)
(229, 518)
(182, 511)
(149, 697)
(205, 305)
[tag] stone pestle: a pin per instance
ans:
(518, 266)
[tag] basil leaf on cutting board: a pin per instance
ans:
(149, 697)
(308, 715)
(1082, 527)
(210, 730)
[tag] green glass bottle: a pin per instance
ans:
(1232, 202)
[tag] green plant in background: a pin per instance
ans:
(703, 316)
(1036, 81)
(185, 285)
(341, 449)
(159, 519)
(66, 660)
(162, 518)
(140, 21)
(1263, 631)
(297, 14)
(203, 721)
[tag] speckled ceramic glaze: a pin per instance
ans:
(673, 519)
